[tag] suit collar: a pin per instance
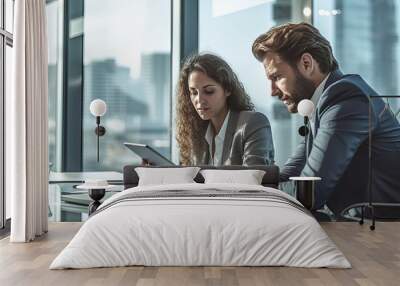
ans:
(230, 130)
(219, 139)
(319, 91)
(333, 77)
(205, 155)
(221, 134)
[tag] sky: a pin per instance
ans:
(52, 30)
(125, 29)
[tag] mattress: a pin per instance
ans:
(201, 225)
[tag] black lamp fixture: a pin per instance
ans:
(305, 108)
(98, 108)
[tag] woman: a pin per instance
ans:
(216, 121)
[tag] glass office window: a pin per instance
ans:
(365, 39)
(5, 90)
(8, 86)
(228, 28)
(127, 54)
(9, 9)
(54, 35)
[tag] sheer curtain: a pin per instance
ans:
(26, 123)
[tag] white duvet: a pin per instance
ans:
(183, 231)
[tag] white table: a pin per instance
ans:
(80, 177)
(78, 198)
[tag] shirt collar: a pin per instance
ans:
(319, 91)
(221, 134)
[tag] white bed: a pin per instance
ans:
(224, 225)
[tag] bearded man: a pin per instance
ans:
(300, 64)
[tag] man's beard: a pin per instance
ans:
(303, 89)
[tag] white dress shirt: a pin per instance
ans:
(315, 99)
(219, 141)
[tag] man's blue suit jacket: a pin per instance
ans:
(339, 146)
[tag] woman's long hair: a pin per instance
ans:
(190, 127)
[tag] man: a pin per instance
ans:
(299, 62)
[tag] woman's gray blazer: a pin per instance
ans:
(248, 141)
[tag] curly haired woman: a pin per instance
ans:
(216, 121)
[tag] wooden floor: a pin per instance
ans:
(374, 255)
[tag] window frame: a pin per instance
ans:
(72, 95)
(73, 68)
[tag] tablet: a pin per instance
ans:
(149, 154)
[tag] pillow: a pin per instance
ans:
(163, 176)
(249, 177)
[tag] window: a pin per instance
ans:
(54, 13)
(117, 53)
(6, 42)
(127, 55)
(240, 22)
(127, 60)
(9, 15)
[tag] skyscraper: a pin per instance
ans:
(155, 74)
(366, 42)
